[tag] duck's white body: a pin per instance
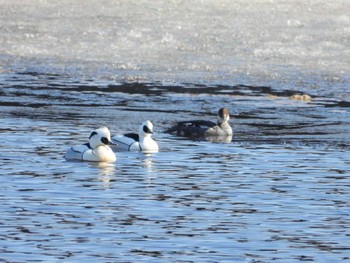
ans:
(97, 150)
(200, 128)
(142, 141)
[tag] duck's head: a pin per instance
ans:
(223, 115)
(100, 136)
(146, 128)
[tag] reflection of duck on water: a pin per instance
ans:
(219, 139)
(147, 161)
(202, 128)
(105, 171)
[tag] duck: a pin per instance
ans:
(203, 128)
(96, 150)
(142, 141)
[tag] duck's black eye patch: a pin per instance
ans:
(146, 129)
(104, 140)
(92, 134)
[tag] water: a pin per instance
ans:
(278, 192)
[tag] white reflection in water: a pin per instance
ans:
(147, 161)
(208, 200)
(105, 172)
(219, 139)
(232, 199)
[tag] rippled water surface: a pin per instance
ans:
(278, 192)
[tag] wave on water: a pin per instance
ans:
(259, 113)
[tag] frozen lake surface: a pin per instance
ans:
(279, 191)
(289, 45)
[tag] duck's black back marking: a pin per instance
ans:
(196, 123)
(88, 145)
(133, 136)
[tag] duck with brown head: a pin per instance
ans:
(202, 128)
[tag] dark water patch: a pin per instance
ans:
(39, 74)
(40, 81)
(278, 192)
(293, 126)
(258, 113)
(341, 104)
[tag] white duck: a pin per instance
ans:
(201, 128)
(96, 150)
(142, 141)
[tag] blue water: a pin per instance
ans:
(278, 192)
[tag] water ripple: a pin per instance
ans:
(279, 191)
